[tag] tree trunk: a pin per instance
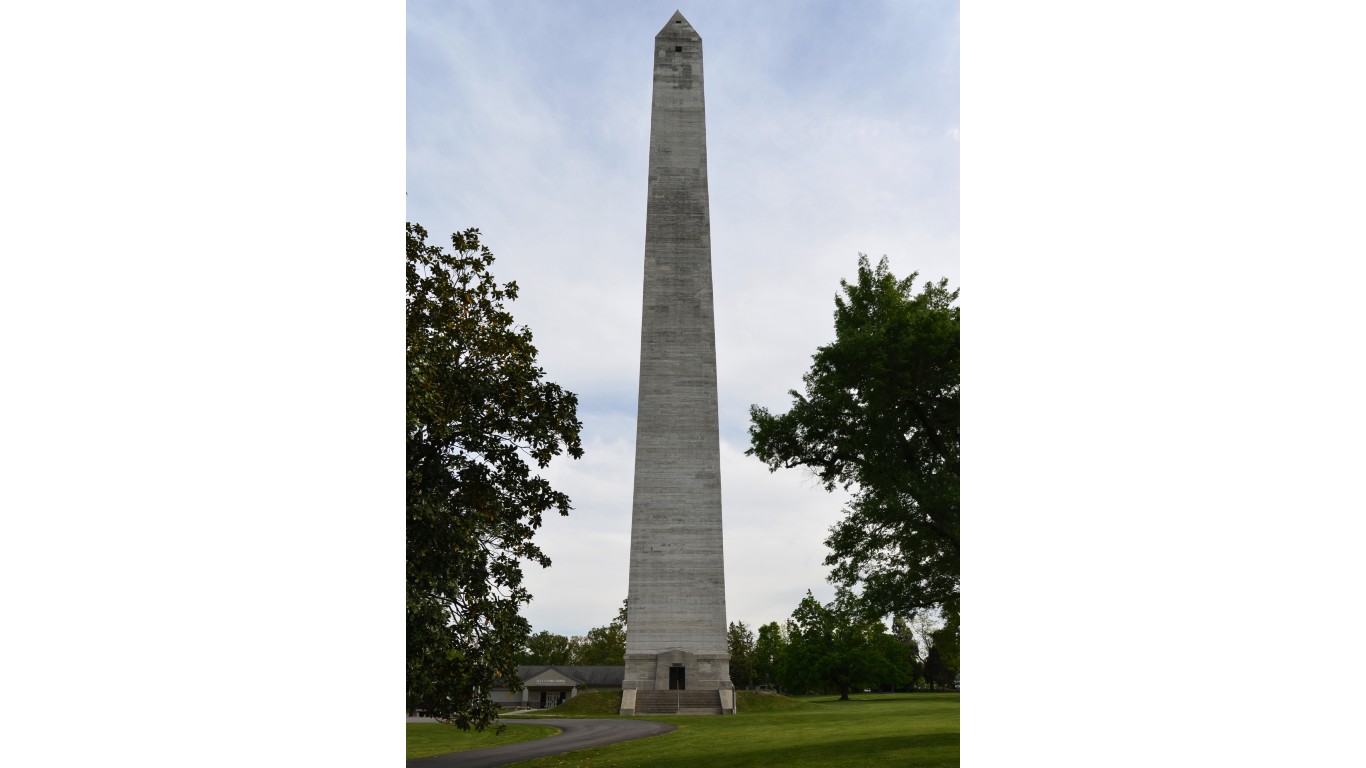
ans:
(844, 692)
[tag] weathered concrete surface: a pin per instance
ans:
(677, 580)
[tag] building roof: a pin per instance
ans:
(592, 676)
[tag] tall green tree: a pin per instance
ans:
(945, 641)
(479, 414)
(546, 648)
(879, 417)
(605, 646)
(899, 668)
(906, 637)
(769, 651)
(937, 672)
(831, 648)
(740, 643)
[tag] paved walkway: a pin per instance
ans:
(576, 734)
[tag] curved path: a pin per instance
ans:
(575, 734)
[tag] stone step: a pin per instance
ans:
(682, 697)
(678, 702)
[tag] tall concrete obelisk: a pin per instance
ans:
(676, 628)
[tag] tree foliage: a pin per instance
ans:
(605, 646)
(906, 638)
(769, 651)
(902, 668)
(936, 670)
(478, 415)
(546, 648)
(740, 644)
(945, 642)
(828, 647)
(880, 418)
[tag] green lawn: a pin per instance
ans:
(588, 704)
(427, 739)
(917, 729)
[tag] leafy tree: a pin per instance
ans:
(945, 641)
(830, 647)
(904, 634)
(602, 645)
(546, 648)
(899, 669)
(794, 676)
(936, 671)
(477, 411)
(880, 418)
(740, 642)
(769, 650)
(923, 625)
(906, 637)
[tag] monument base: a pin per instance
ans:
(677, 670)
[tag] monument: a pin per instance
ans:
(676, 621)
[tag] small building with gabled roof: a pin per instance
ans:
(545, 686)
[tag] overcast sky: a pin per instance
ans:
(832, 130)
(1162, 259)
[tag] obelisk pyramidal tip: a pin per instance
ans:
(676, 613)
(682, 23)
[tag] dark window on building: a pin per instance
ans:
(678, 48)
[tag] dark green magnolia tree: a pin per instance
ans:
(740, 644)
(479, 415)
(880, 418)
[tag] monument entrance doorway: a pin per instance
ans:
(676, 679)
